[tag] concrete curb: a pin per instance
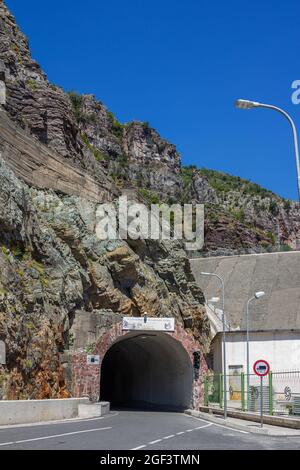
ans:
(281, 421)
(93, 410)
(267, 431)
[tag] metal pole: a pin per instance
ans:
(271, 393)
(248, 355)
(295, 137)
(261, 402)
(224, 350)
(243, 391)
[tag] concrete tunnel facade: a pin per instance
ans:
(148, 369)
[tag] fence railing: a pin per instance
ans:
(280, 392)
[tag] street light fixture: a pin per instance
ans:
(257, 295)
(223, 338)
(246, 104)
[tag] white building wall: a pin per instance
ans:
(280, 349)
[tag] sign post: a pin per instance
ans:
(2, 353)
(261, 368)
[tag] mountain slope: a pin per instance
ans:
(240, 216)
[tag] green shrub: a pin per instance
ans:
(285, 248)
(224, 183)
(187, 180)
(77, 102)
(273, 207)
(28, 363)
(99, 156)
(54, 87)
(89, 349)
(239, 215)
(71, 339)
(116, 126)
(32, 84)
(287, 205)
(18, 250)
(4, 250)
(272, 237)
(118, 177)
(150, 196)
(122, 161)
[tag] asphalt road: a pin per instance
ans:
(138, 430)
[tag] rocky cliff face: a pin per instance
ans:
(53, 267)
(248, 218)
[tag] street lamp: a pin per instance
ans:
(246, 104)
(224, 338)
(257, 295)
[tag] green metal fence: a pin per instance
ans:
(280, 392)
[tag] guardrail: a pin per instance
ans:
(281, 392)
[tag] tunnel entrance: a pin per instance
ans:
(147, 370)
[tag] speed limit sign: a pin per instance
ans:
(261, 368)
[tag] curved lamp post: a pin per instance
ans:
(246, 104)
(257, 295)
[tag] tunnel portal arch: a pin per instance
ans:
(85, 377)
(148, 369)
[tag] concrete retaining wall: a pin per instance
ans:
(32, 411)
(278, 274)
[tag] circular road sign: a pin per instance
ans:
(261, 368)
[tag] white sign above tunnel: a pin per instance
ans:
(146, 323)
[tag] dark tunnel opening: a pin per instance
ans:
(147, 370)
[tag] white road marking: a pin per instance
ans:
(155, 442)
(173, 435)
(53, 437)
(201, 427)
(231, 429)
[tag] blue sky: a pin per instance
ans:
(180, 65)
